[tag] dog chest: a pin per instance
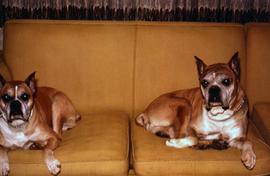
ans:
(17, 140)
(211, 129)
(14, 139)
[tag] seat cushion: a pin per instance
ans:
(152, 157)
(260, 117)
(98, 145)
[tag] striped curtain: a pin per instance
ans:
(240, 11)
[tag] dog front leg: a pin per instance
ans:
(184, 142)
(248, 156)
(4, 163)
(52, 163)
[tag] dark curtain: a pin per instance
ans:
(240, 11)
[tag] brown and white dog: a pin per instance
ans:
(33, 118)
(213, 115)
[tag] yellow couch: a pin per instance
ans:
(113, 70)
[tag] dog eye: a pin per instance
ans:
(226, 82)
(204, 83)
(6, 98)
(25, 97)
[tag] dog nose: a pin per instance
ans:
(214, 94)
(15, 108)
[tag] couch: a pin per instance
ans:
(113, 70)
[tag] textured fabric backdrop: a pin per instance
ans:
(241, 11)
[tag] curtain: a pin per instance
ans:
(240, 11)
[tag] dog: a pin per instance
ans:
(33, 118)
(214, 115)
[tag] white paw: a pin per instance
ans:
(249, 159)
(177, 143)
(170, 142)
(4, 166)
(54, 167)
(182, 142)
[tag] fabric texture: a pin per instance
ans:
(147, 10)
(92, 63)
(260, 117)
(258, 63)
(165, 56)
(98, 145)
(153, 157)
(123, 66)
(4, 71)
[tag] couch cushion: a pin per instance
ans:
(97, 146)
(92, 62)
(152, 157)
(165, 55)
(260, 117)
(258, 62)
(3, 68)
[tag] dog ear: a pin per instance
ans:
(234, 64)
(2, 81)
(141, 120)
(31, 82)
(200, 66)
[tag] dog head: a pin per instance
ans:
(219, 83)
(17, 100)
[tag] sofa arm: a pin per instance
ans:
(261, 118)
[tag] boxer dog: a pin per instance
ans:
(33, 118)
(213, 115)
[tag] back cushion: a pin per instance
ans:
(165, 55)
(91, 62)
(258, 62)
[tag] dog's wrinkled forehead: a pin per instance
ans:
(220, 71)
(14, 87)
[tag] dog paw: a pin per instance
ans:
(35, 146)
(219, 145)
(249, 159)
(54, 167)
(171, 142)
(201, 147)
(180, 143)
(4, 168)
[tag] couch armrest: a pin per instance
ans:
(261, 118)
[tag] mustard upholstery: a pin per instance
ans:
(152, 157)
(260, 116)
(258, 62)
(3, 68)
(113, 70)
(66, 56)
(165, 56)
(98, 145)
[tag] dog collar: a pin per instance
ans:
(240, 105)
(31, 114)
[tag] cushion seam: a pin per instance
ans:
(74, 162)
(157, 161)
